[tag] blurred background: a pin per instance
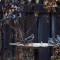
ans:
(20, 18)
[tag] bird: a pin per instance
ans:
(51, 41)
(58, 38)
(28, 39)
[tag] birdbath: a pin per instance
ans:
(26, 51)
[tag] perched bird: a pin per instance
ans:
(56, 41)
(58, 38)
(29, 39)
(8, 18)
(51, 41)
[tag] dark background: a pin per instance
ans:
(40, 27)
